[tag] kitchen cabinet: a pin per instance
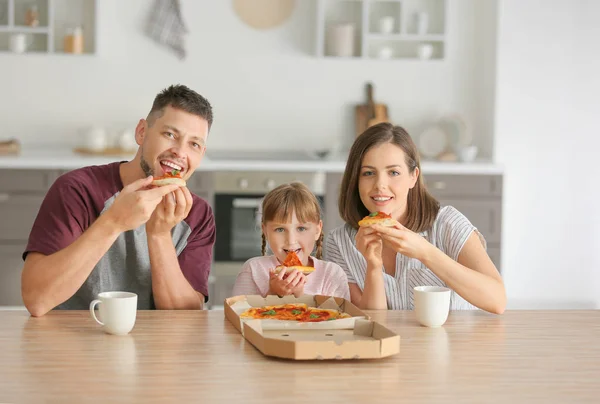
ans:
(478, 197)
(48, 26)
(10, 273)
(383, 29)
(21, 194)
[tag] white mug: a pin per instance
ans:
(425, 51)
(19, 43)
(341, 40)
(421, 23)
(386, 25)
(432, 304)
(95, 139)
(117, 311)
(385, 52)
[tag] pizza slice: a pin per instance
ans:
(293, 262)
(380, 218)
(172, 177)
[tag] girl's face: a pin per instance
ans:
(292, 236)
(384, 180)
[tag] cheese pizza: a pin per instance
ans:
(293, 312)
(379, 218)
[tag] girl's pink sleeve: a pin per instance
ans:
(245, 284)
(338, 282)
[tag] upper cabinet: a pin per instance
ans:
(381, 29)
(48, 26)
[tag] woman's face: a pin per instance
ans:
(384, 180)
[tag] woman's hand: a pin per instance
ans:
(370, 245)
(403, 241)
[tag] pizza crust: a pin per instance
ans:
(167, 181)
(303, 269)
(368, 221)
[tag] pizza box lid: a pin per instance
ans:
(356, 338)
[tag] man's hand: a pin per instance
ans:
(171, 210)
(135, 204)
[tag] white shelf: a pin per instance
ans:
(402, 42)
(407, 37)
(55, 18)
(24, 29)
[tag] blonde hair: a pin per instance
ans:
(279, 204)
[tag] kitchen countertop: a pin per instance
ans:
(66, 159)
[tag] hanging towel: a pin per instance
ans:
(165, 25)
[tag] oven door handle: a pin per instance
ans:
(253, 203)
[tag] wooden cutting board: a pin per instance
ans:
(371, 113)
(11, 146)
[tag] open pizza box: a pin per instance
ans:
(357, 337)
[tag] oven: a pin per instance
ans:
(237, 209)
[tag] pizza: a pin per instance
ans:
(173, 177)
(293, 312)
(379, 218)
(293, 262)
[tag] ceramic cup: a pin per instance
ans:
(385, 52)
(341, 40)
(432, 304)
(95, 138)
(425, 51)
(117, 310)
(386, 25)
(19, 43)
(467, 154)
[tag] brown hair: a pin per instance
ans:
(422, 208)
(281, 202)
(183, 98)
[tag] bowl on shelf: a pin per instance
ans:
(467, 154)
(425, 51)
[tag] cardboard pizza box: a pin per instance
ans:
(357, 337)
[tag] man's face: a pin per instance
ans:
(176, 140)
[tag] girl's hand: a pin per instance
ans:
(299, 289)
(403, 241)
(370, 245)
(283, 283)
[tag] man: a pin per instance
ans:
(103, 228)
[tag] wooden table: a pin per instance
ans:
(197, 356)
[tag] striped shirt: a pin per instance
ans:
(449, 232)
(327, 279)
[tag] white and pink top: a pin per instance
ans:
(328, 278)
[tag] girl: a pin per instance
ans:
(291, 221)
(430, 245)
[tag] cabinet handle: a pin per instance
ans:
(4, 197)
(438, 185)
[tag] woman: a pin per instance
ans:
(430, 245)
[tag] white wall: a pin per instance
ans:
(267, 88)
(547, 135)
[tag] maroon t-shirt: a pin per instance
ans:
(78, 198)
